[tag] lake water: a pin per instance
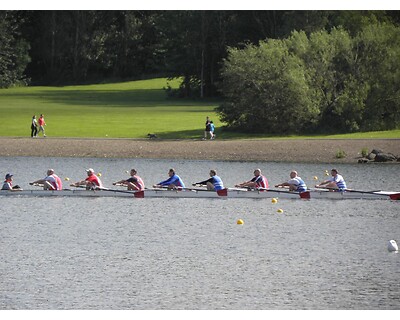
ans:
(116, 253)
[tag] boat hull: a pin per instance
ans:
(196, 193)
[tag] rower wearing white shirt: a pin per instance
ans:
(294, 184)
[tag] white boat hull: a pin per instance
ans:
(197, 193)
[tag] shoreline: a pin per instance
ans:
(282, 150)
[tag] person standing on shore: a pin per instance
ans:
(294, 184)
(34, 127)
(212, 130)
(42, 123)
(134, 183)
(207, 130)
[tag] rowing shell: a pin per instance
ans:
(200, 193)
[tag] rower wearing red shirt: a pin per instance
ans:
(91, 182)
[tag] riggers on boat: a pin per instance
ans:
(226, 193)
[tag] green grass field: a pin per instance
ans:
(119, 110)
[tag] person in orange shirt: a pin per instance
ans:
(41, 123)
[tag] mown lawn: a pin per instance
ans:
(121, 110)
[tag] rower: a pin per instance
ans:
(295, 183)
(7, 185)
(257, 182)
(133, 183)
(50, 182)
(173, 182)
(336, 183)
(91, 182)
(214, 183)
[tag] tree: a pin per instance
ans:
(266, 90)
(378, 52)
(14, 51)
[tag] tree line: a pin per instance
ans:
(203, 48)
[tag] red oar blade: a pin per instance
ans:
(223, 192)
(305, 195)
(395, 196)
(139, 194)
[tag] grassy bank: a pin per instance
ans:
(120, 110)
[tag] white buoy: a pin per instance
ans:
(392, 246)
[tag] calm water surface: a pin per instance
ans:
(110, 253)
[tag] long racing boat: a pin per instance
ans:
(203, 193)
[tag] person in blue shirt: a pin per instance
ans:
(214, 183)
(173, 182)
(212, 130)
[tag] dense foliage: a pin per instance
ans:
(319, 67)
(326, 81)
(13, 51)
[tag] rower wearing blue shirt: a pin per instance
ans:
(214, 183)
(173, 182)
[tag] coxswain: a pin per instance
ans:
(214, 183)
(133, 183)
(7, 185)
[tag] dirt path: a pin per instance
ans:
(305, 151)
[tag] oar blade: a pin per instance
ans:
(305, 195)
(139, 194)
(395, 196)
(223, 192)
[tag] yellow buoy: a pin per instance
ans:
(66, 179)
(326, 173)
(127, 171)
(99, 174)
(274, 200)
(315, 178)
(240, 221)
(279, 211)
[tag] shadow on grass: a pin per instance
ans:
(117, 98)
(221, 134)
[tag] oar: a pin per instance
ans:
(350, 190)
(303, 195)
(36, 184)
(136, 194)
(395, 196)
